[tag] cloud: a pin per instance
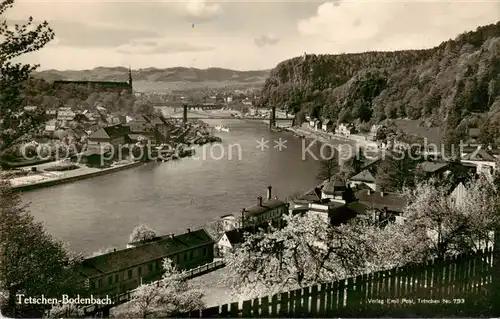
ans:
(201, 10)
(76, 34)
(170, 47)
(267, 39)
(391, 25)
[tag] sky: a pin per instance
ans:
(236, 34)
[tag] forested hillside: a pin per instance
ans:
(447, 85)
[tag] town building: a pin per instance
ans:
(65, 114)
(327, 125)
(364, 177)
(484, 162)
(113, 136)
(50, 126)
(229, 241)
(95, 156)
(123, 270)
(230, 222)
(266, 212)
(334, 190)
(372, 136)
(345, 129)
(434, 169)
(385, 206)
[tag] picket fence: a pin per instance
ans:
(459, 285)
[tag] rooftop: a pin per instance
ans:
(266, 206)
(393, 201)
(161, 247)
(479, 155)
(432, 167)
(234, 236)
(342, 214)
(333, 187)
(108, 132)
(364, 176)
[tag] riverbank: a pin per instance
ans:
(333, 139)
(47, 179)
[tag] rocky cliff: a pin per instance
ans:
(447, 85)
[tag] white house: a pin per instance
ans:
(229, 222)
(229, 241)
(65, 115)
(373, 132)
(364, 177)
(333, 190)
(484, 162)
(327, 125)
(345, 129)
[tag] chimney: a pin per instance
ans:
(189, 230)
(381, 194)
(172, 235)
(259, 201)
(269, 188)
(369, 191)
(114, 250)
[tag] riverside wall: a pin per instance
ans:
(64, 180)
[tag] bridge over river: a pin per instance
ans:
(185, 113)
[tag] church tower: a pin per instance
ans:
(130, 78)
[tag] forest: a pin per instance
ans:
(455, 85)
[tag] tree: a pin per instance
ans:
(305, 252)
(142, 233)
(328, 169)
(393, 246)
(452, 225)
(65, 311)
(354, 164)
(397, 171)
(171, 295)
(19, 40)
(31, 261)
(215, 228)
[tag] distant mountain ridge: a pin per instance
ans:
(176, 74)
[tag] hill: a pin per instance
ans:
(153, 79)
(445, 86)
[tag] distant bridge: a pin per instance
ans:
(185, 116)
(196, 106)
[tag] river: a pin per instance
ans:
(170, 197)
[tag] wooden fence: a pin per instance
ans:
(459, 285)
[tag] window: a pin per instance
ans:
(139, 271)
(150, 267)
(110, 280)
(204, 251)
(158, 264)
(185, 256)
(130, 274)
(190, 255)
(99, 284)
(116, 278)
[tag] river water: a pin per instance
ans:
(170, 197)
